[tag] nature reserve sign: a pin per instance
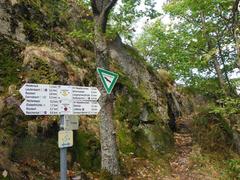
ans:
(108, 79)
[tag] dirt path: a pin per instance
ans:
(181, 164)
(183, 144)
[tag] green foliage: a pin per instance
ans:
(205, 86)
(127, 13)
(83, 27)
(212, 131)
(167, 48)
(122, 19)
(83, 32)
(234, 168)
(228, 106)
(83, 22)
(189, 45)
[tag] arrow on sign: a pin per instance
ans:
(108, 79)
(35, 108)
(84, 108)
(85, 93)
(39, 91)
(34, 91)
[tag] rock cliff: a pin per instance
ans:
(37, 46)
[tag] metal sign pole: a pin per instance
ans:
(47, 99)
(63, 156)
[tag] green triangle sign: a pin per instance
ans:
(108, 79)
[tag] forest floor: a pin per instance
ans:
(182, 164)
(187, 163)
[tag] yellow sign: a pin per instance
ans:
(65, 139)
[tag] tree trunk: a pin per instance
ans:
(231, 89)
(217, 66)
(236, 30)
(109, 158)
(237, 41)
(219, 73)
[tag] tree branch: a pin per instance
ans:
(108, 8)
(101, 10)
(104, 14)
(94, 8)
(235, 12)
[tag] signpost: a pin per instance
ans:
(108, 79)
(44, 99)
(63, 151)
(70, 122)
(41, 99)
(65, 138)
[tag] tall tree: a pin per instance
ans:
(236, 29)
(109, 157)
(201, 45)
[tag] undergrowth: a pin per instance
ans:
(213, 130)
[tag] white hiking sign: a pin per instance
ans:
(43, 99)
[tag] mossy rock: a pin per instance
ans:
(10, 63)
(125, 141)
(152, 142)
(40, 18)
(10, 121)
(44, 150)
(43, 74)
(86, 150)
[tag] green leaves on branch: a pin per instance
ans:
(122, 19)
(228, 106)
(197, 46)
(128, 12)
(84, 32)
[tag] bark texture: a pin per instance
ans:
(236, 30)
(210, 46)
(219, 73)
(109, 157)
